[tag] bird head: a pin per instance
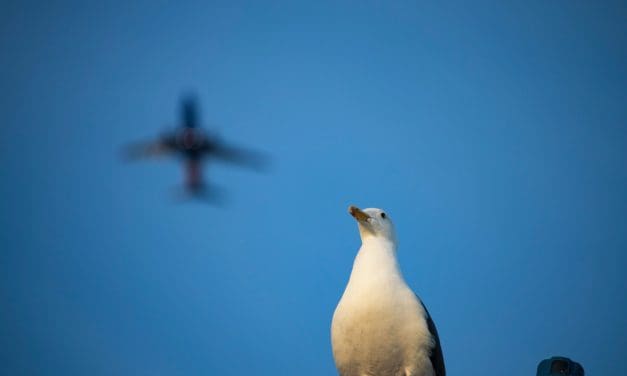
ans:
(373, 222)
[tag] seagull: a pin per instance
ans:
(380, 327)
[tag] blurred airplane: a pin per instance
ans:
(559, 365)
(195, 145)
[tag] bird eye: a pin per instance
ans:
(383, 215)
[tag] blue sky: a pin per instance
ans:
(493, 135)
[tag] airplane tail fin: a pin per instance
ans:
(189, 111)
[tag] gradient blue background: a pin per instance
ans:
(494, 135)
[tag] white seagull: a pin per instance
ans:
(380, 327)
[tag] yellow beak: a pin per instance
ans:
(358, 214)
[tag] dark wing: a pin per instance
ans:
(165, 145)
(437, 359)
(240, 156)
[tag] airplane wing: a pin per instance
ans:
(140, 150)
(240, 156)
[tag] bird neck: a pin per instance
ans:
(376, 261)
